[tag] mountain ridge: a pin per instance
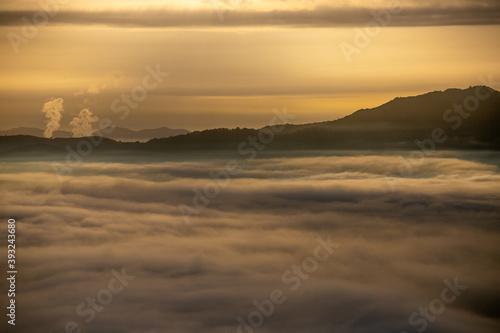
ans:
(397, 124)
(118, 133)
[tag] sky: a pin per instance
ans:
(231, 62)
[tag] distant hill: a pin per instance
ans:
(34, 132)
(125, 134)
(119, 133)
(397, 124)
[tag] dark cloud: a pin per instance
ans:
(427, 14)
(396, 247)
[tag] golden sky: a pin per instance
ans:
(231, 63)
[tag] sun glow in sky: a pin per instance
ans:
(232, 62)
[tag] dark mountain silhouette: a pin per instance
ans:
(118, 133)
(421, 111)
(398, 124)
(401, 121)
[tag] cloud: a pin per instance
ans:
(427, 13)
(396, 247)
(108, 80)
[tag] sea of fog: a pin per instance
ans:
(289, 242)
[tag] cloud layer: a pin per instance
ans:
(315, 14)
(396, 247)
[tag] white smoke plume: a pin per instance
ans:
(82, 125)
(108, 80)
(52, 109)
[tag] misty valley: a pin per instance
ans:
(333, 233)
